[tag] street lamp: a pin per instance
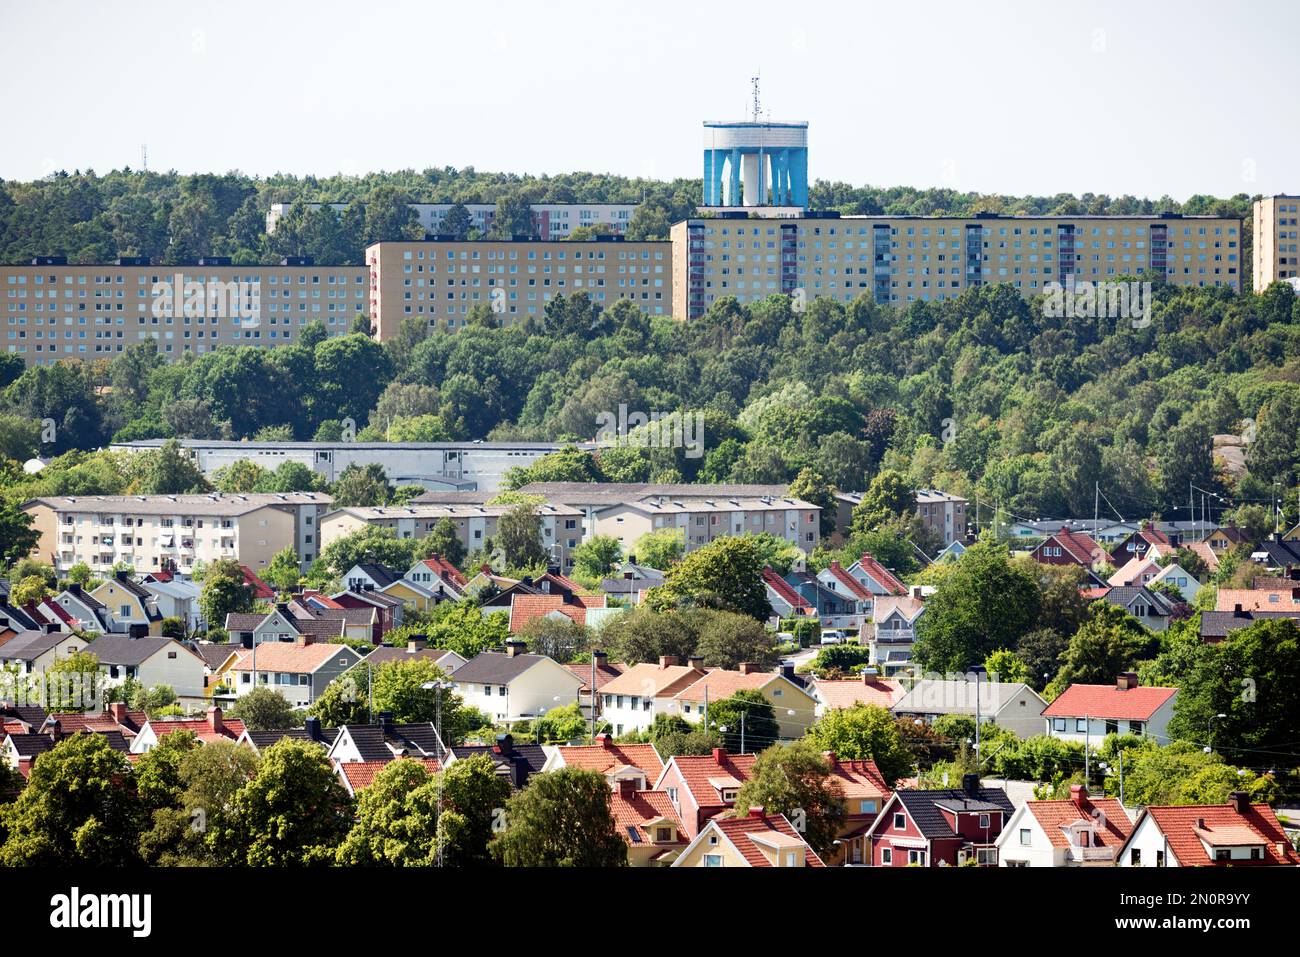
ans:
(438, 687)
(1209, 732)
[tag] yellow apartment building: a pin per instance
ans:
(1276, 235)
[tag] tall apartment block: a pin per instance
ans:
(441, 280)
(550, 220)
(53, 311)
(901, 259)
(1276, 240)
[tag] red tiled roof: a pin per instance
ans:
(526, 608)
(739, 829)
(845, 693)
(1094, 593)
(607, 755)
(782, 588)
(639, 808)
(1259, 599)
(1206, 553)
(649, 679)
(855, 587)
(1079, 545)
(291, 657)
(361, 774)
(61, 612)
(76, 721)
(321, 599)
(260, 588)
(1054, 815)
(1180, 827)
(697, 769)
(881, 574)
(231, 729)
(1108, 701)
(859, 780)
(445, 570)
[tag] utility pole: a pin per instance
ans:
(742, 732)
(593, 696)
(1087, 746)
(977, 719)
(1096, 507)
(1121, 776)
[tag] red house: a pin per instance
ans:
(941, 828)
(1068, 548)
(703, 786)
(1139, 543)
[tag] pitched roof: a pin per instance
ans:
(375, 742)
(854, 587)
(71, 722)
(526, 608)
(605, 673)
(36, 744)
(380, 574)
(1206, 554)
(231, 728)
(859, 780)
(1259, 599)
(1114, 824)
(925, 808)
(1078, 545)
(215, 655)
(722, 683)
(784, 591)
(845, 693)
(445, 570)
(1223, 825)
(261, 590)
(359, 775)
(606, 754)
(261, 740)
(905, 605)
(1219, 624)
(747, 834)
(1109, 701)
(702, 772)
(1123, 596)
(1132, 571)
(124, 650)
(494, 667)
(948, 696)
(30, 645)
(444, 658)
(293, 658)
(651, 679)
(633, 811)
(518, 765)
(881, 574)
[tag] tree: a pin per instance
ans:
(887, 497)
(1107, 644)
(198, 830)
(444, 540)
(29, 589)
(647, 635)
(170, 472)
(399, 689)
(284, 571)
(362, 486)
(862, 732)
(241, 476)
(17, 536)
(561, 640)
(1041, 651)
(811, 487)
(79, 808)
(1005, 666)
(293, 812)
(463, 628)
(562, 819)
(158, 770)
(370, 543)
(985, 603)
(563, 724)
(473, 795)
(224, 591)
(727, 571)
(728, 640)
(264, 709)
(659, 549)
(519, 536)
(597, 557)
(795, 780)
(396, 820)
(746, 721)
(72, 683)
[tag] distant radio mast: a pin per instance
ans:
(144, 156)
(757, 107)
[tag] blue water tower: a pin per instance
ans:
(755, 164)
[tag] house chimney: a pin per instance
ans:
(787, 672)
(214, 719)
(386, 722)
(626, 787)
(668, 661)
(515, 648)
(505, 744)
(719, 754)
(601, 657)
(118, 710)
(970, 783)
(1238, 611)
(756, 811)
(1240, 801)
(1126, 680)
(915, 592)
(830, 756)
(604, 740)
(52, 628)
(869, 676)
(748, 667)
(312, 727)
(56, 730)
(1079, 796)
(25, 766)
(1200, 824)
(416, 643)
(696, 662)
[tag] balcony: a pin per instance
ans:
(1090, 855)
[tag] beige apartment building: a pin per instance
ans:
(942, 514)
(902, 259)
(561, 526)
(155, 532)
(1276, 234)
(440, 281)
(702, 520)
(53, 311)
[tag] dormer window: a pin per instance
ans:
(729, 795)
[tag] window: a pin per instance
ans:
(900, 821)
(1058, 724)
(984, 820)
(1135, 857)
(986, 856)
(1160, 858)
(916, 857)
(1081, 725)
(867, 807)
(1025, 839)
(886, 855)
(712, 860)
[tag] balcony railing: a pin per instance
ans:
(1092, 853)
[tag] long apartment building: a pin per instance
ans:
(448, 466)
(1276, 245)
(902, 259)
(53, 311)
(475, 523)
(550, 220)
(155, 532)
(439, 281)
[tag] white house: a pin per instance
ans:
(630, 701)
(175, 597)
(1009, 704)
(514, 685)
(1220, 835)
(1081, 830)
(893, 630)
(151, 661)
(1090, 712)
(1178, 576)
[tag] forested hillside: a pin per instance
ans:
(173, 218)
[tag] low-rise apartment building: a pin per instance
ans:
(549, 220)
(438, 281)
(173, 532)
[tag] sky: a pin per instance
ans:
(1149, 98)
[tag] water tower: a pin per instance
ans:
(755, 163)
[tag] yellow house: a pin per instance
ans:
(129, 604)
(755, 840)
(794, 708)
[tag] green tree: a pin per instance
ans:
(444, 540)
(370, 543)
(562, 819)
(264, 709)
(1006, 666)
(519, 536)
(198, 830)
(887, 497)
(29, 589)
(597, 557)
(659, 549)
(284, 571)
(812, 487)
(746, 721)
(224, 591)
(158, 770)
(561, 725)
(727, 571)
(73, 682)
(293, 812)
(728, 640)
(647, 635)
(795, 780)
(170, 471)
(17, 536)
(862, 732)
(396, 820)
(79, 808)
(362, 486)
(1107, 644)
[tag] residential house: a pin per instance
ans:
(218, 659)
(943, 515)
(385, 740)
(941, 827)
(21, 751)
(649, 824)
(1153, 609)
(359, 775)
(1147, 541)
(755, 840)
(1225, 538)
(389, 608)
(795, 709)
(631, 701)
(514, 685)
(639, 763)
(1215, 625)
(1090, 712)
(413, 650)
(311, 730)
(1066, 546)
(703, 786)
(556, 607)
(174, 597)
(116, 717)
(602, 670)
(865, 793)
(1286, 598)
(129, 604)
(439, 577)
(868, 689)
(1008, 704)
(32, 652)
(372, 576)
(213, 726)
(875, 577)
(835, 607)
(151, 662)
(838, 580)
(892, 631)
(82, 610)
(517, 763)
(359, 624)
(1080, 831)
(785, 601)
(632, 582)
(280, 624)
(299, 670)
(1236, 834)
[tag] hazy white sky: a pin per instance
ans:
(1013, 97)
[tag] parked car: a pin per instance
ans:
(833, 636)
